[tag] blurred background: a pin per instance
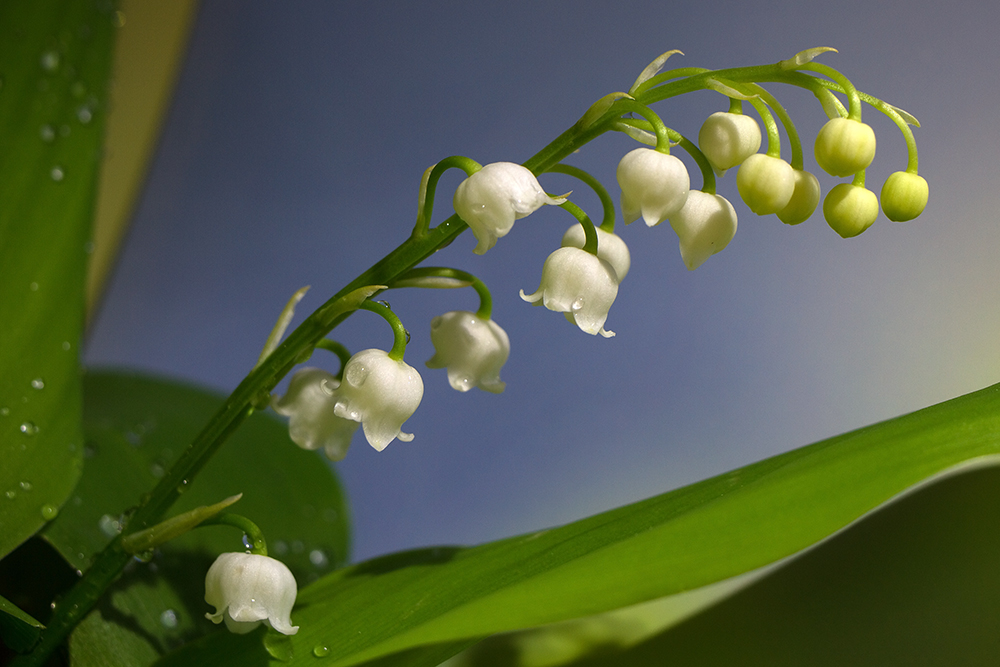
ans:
(292, 155)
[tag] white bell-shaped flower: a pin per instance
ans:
(765, 183)
(654, 185)
(579, 284)
(249, 589)
(381, 393)
(494, 197)
(727, 139)
(705, 225)
(850, 209)
(471, 348)
(610, 247)
(312, 423)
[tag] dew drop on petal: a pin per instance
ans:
(577, 305)
(356, 374)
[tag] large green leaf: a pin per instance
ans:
(135, 427)
(682, 540)
(54, 62)
(17, 628)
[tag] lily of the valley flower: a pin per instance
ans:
(765, 183)
(654, 185)
(705, 225)
(579, 284)
(471, 348)
(249, 589)
(610, 247)
(804, 199)
(844, 146)
(381, 393)
(850, 209)
(727, 139)
(904, 196)
(490, 200)
(309, 406)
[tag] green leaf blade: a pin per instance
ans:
(54, 63)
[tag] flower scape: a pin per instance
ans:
(376, 391)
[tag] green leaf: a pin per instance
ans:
(135, 427)
(915, 583)
(683, 540)
(18, 630)
(54, 63)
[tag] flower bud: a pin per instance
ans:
(850, 209)
(654, 185)
(494, 197)
(805, 199)
(249, 589)
(579, 284)
(471, 348)
(309, 406)
(765, 183)
(610, 247)
(381, 393)
(904, 196)
(727, 139)
(705, 225)
(844, 146)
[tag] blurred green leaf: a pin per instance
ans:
(54, 63)
(135, 427)
(679, 541)
(18, 629)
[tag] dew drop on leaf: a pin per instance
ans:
(168, 619)
(29, 428)
(50, 61)
(38, 383)
(49, 511)
(57, 174)
(26, 486)
(318, 558)
(321, 651)
(48, 133)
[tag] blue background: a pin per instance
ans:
(293, 154)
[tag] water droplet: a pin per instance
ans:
(133, 438)
(57, 174)
(38, 383)
(279, 646)
(157, 470)
(4, 411)
(10, 494)
(26, 486)
(280, 548)
(247, 542)
(48, 133)
(321, 651)
(84, 115)
(182, 487)
(109, 525)
(318, 558)
(49, 511)
(356, 374)
(33, 286)
(168, 619)
(50, 61)
(407, 332)
(144, 556)
(77, 501)
(66, 346)
(118, 19)
(577, 305)
(28, 428)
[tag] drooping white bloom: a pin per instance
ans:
(381, 393)
(249, 589)
(309, 406)
(610, 247)
(581, 285)
(654, 185)
(705, 225)
(494, 197)
(471, 348)
(727, 139)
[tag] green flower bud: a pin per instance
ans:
(845, 146)
(765, 183)
(904, 196)
(805, 199)
(850, 209)
(727, 139)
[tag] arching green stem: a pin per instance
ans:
(443, 277)
(853, 99)
(786, 122)
(399, 333)
(249, 528)
(428, 185)
(590, 244)
(339, 349)
(735, 105)
(608, 223)
(662, 139)
(707, 173)
(770, 126)
(859, 179)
